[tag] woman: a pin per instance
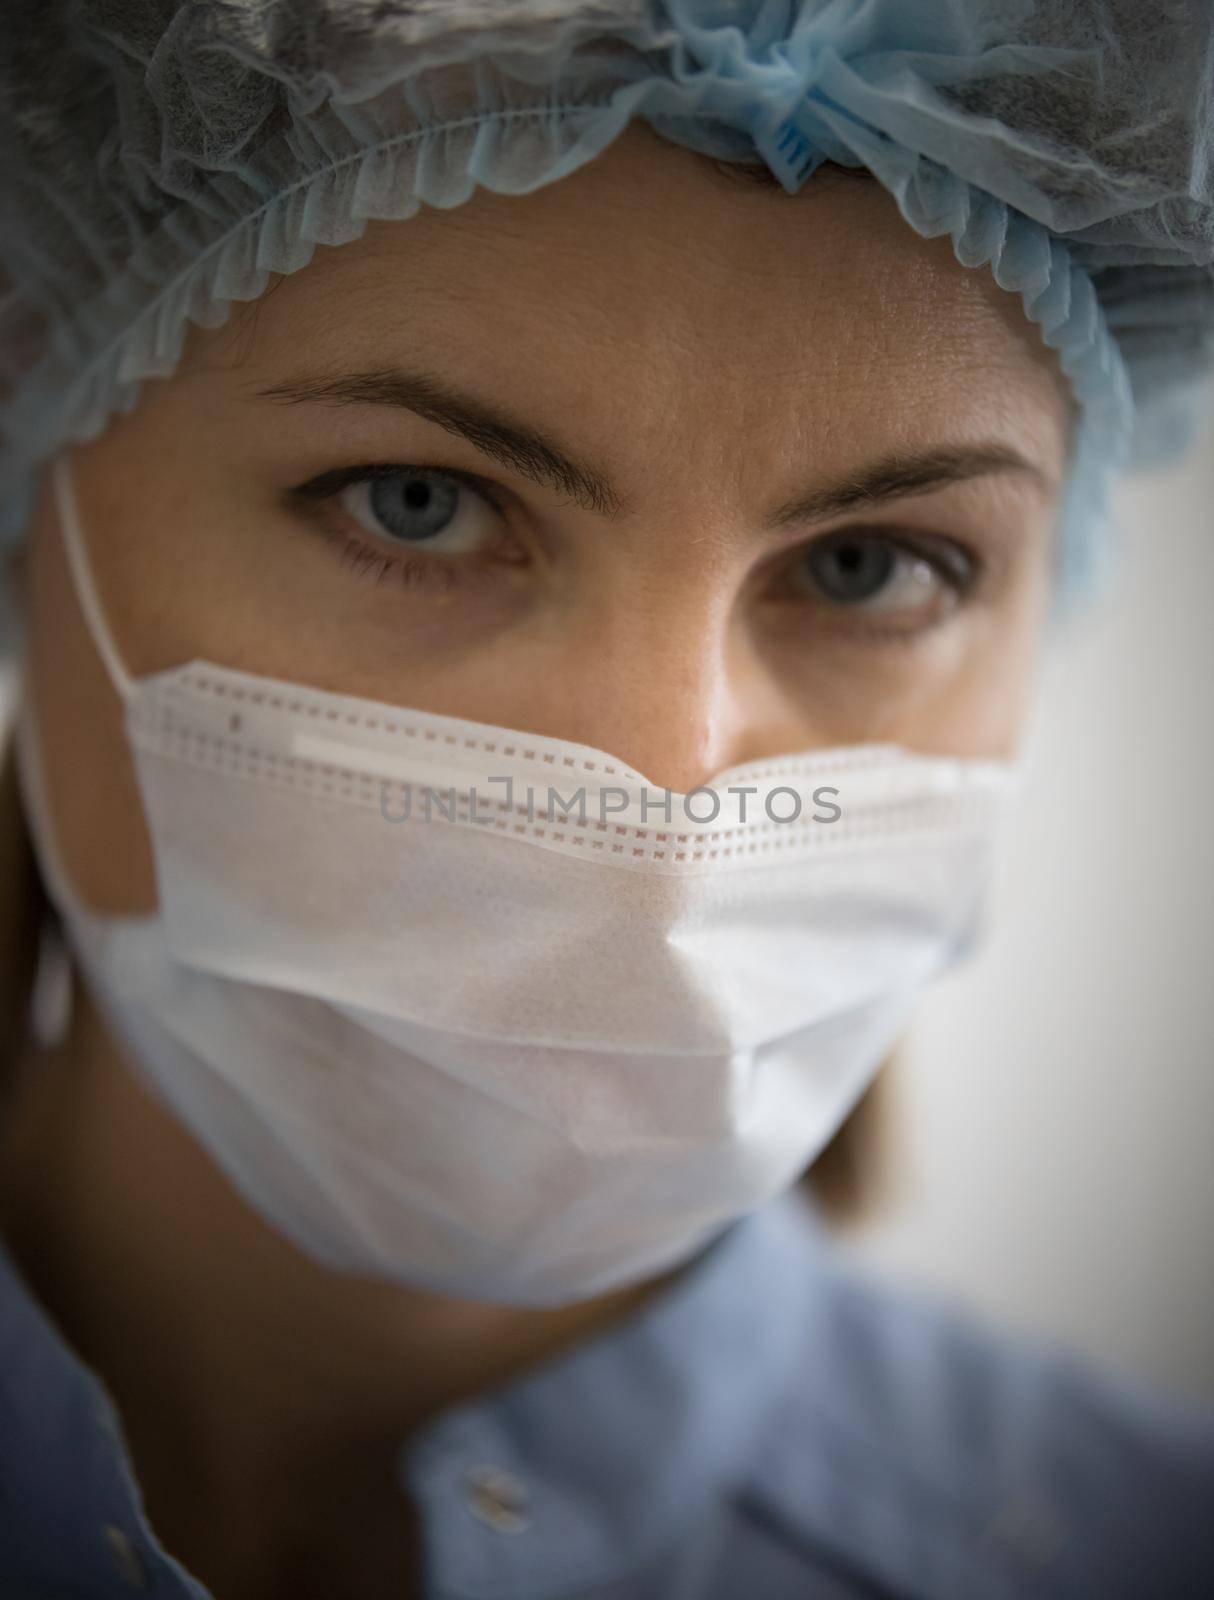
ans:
(510, 720)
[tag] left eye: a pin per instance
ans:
(874, 573)
(421, 508)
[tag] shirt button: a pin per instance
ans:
(497, 1498)
(1030, 1527)
(126, 1557)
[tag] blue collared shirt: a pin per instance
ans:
(780, 1423)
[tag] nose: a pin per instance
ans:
(672, 689)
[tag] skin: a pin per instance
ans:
(717, 349)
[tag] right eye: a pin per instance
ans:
(421, 508)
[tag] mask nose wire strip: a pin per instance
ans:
(82, 577)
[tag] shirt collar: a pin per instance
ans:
(597, 1457)
(606, 1450)
(70, 1496)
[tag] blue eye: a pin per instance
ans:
(851, 570)
(875, 573)
(421, 507)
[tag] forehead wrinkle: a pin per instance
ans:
(916, 297)
(683, 394)
(911, 331)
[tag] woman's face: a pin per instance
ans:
(648, 459)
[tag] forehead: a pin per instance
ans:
(646, 293)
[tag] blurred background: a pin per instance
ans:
(1054, 1108)
(1052, 1118)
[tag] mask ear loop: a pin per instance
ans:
(50, 1006)
(82, 576)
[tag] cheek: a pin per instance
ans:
(978, 703)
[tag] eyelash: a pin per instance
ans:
(947, 557)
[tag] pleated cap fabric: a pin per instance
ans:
(160, 159)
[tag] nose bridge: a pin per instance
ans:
(666, 686)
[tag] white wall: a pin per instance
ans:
(1058, 1098)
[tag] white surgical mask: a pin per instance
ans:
(518, 1058)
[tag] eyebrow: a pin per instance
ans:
(543, 460)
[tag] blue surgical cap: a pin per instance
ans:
(160, 159)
